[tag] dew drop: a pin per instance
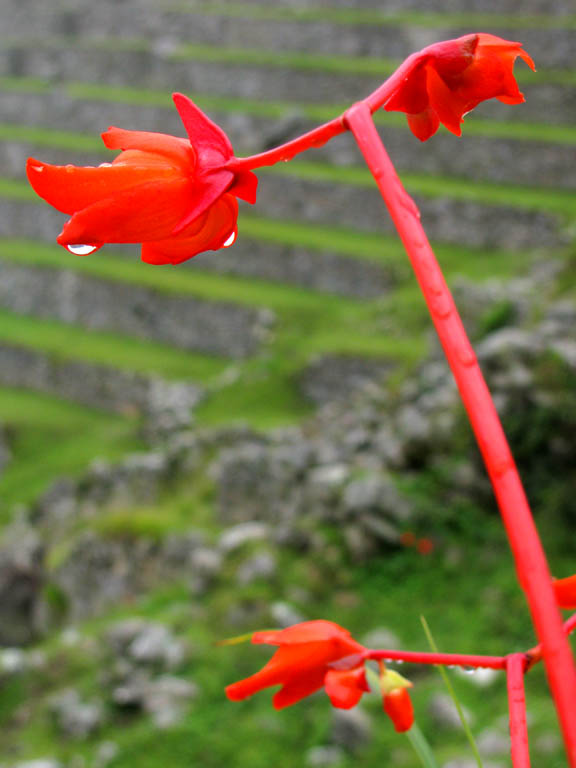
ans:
(82, 250)
(231, 240)
(469, 670)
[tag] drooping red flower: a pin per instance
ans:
(310, 655)
(565, 591)
(450, 78)
(396, 699)
(398, 707)
(175, 196)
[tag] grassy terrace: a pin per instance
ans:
(39, 423)
(348, 16)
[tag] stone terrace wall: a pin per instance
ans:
(182, 321)
(94, 385)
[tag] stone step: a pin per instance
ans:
(243, 28)
(479, 158)
(209, 327)
(546, 102)
(336, 204)
(87, 383)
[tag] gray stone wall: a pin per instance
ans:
(90, 384)
(182, 321)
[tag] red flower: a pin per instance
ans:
(396, 699)
(398, 707)
(565, 590)
(310, 655)
(450, 78)
(175, 196)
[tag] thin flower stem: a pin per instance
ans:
(321, 135)
(515, 669)
(531, 565)
(453, 696)
(421, 747)
(446, 659)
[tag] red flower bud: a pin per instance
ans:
(398, 707)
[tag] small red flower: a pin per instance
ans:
(310, 655)
(175, 196)
(451, 78)
(396, 699)
(398, 707)
(565, 590)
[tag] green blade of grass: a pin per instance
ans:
(453, 696)
(421, 747)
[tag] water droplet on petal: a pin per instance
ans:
(105, 165)
(231, 240)
(82, 250)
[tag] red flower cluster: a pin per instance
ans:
(450, 78)
(316, 654)
(175, 196)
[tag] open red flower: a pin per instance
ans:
(175, 196)
(310, 655)
(450, 78)
(565, 591)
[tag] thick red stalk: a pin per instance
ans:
(448, 659)
(515, 667)
(531, 565)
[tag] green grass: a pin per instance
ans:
(51, 438)
(365, 16)
(68, 342)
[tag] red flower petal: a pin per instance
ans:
(208, 232)
(178, 151)
(69, 188)
(204, 134)
(398, 707)
(207, 189)
(244, 186)
(298, 688)
(305, 632)
(144, 212)
(565, 590)
(345, 687)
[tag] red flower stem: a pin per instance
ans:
(515, 668)
(321, 135)
(447, 659)
(534, 655)
(531, 565)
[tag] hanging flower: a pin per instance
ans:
(396, 699)
(175, 196)
(450, 78)
(310, 655)
(565, 590)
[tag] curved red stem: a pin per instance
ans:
(531, 565)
